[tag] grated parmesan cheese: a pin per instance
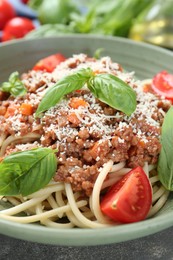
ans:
(54, 126)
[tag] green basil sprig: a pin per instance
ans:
(165, 163)
(107, 88)
(14, 85)
(25, 172)
(64, 86)
(114, 92)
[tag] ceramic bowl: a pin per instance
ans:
(145, 60)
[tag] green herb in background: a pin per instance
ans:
(54, 11)
(35, 4)
(106, 17)
(14, 85)
(50, 30)
(116, 17)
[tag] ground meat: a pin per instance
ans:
(33, 80)
(84, 134)
(108, 110)
(88, 136)
(3, 110)
(4, 95)
(49, 139)
(73, 172)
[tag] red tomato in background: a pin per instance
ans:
(49, 63)
(25, 1)
(129, 200)
(162, 84)
(17, 27)
(7, 12)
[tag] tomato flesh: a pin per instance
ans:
(49, 63)
(162, 84)
(129, 200)
(7, 12)
(25, 1)
(16, 28)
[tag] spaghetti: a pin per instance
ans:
(97, 145)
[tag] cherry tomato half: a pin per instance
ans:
(17, 27)
(49, 63)
(7, 12)
(162, 84)
(129, 200)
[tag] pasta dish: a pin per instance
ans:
(64, 143)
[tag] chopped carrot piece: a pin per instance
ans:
(2, 110)
(98, 72)
(72, 118)
(99, 149)
(95, 150)
(76, 102)
(10, 111)
(141, 143)
(147, 88)
(26, 109)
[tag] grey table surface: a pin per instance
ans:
(157, 246)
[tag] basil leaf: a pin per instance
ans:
(26, 172)
(165, 162)
(9, 174)
(64, 86)
(97, 53)
(114, 92)
(14, 86)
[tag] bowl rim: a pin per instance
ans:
(85, 237)
(87, 36)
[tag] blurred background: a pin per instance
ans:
(150, 21)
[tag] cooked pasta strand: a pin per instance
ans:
(77, 212)
(44, 215)
(95, 197)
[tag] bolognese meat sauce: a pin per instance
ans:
(85, 131)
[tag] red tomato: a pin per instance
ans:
(25, 1)
(7, 12)
(49, 63)
(162, 84)
(17, 27)
(129, 200)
